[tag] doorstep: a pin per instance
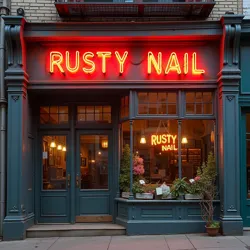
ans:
(75, 230)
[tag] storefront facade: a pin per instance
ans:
(78, 94)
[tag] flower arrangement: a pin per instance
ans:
(138, 167)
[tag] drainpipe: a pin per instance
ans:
(4, 10)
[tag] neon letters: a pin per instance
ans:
(166, 141)
(76, 62)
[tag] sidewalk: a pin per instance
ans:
(159, 242)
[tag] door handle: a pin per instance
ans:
(77, 181)
(68, 179)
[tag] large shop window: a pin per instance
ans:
(54, 115)
(156, 142)
(173, 133)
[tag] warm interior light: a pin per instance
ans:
(64, 149)
(99, 152)
(104, 144)
(143, 140)
(184, 140)
(53, 144)
(212, 137)
(59, 147)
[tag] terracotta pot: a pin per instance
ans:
(212, 231)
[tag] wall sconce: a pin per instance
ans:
(59, 147)
(104, 144)
(184, 140)
(64, 149)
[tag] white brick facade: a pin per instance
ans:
(45, 11)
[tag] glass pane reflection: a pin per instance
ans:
(54, 162)
(94, 161)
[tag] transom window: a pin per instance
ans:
(124, 106)
(94, 114)
(160, 103)
(199, 103)
(54, 115)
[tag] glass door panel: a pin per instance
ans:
(54, 179)
(94, 195)
(94, 161)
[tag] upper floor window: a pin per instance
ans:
(199, 103)
(54, 115)
(157, 103)
(94, 114)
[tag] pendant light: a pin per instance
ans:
(53, 144)
(143, 138)
(59, 147)
(64, 149)
(184, 140)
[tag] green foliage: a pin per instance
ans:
(214, 224)
(207, 174)
(125, 169)
(137, 188)
(194, 188)
(179, 187)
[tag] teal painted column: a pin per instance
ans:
(228, 126)
(17, 219)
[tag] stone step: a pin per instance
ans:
(74, 230)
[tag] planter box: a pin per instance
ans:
(125, 195)
(193, 197)
(169, 197)
(144, 196)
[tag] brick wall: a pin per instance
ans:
(45, 11)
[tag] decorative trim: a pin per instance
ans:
(14, 210)
(230, 97)
(231, 39)
(15, 41)
(15, 97)
(232, 209)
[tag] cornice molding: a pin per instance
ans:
(63, 31)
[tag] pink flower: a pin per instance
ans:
(197, 178)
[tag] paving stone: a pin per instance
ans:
(138, 242)
(228, 242)
(82, 243)
(178, 242)
(28, 244)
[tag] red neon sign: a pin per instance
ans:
(86, 62)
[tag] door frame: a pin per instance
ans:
(39, 174)
(111, 191)
(243, 170)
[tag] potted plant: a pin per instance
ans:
(207, 174)
(144, 191)
(125, 172)
(179, 188)
(194, 189)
